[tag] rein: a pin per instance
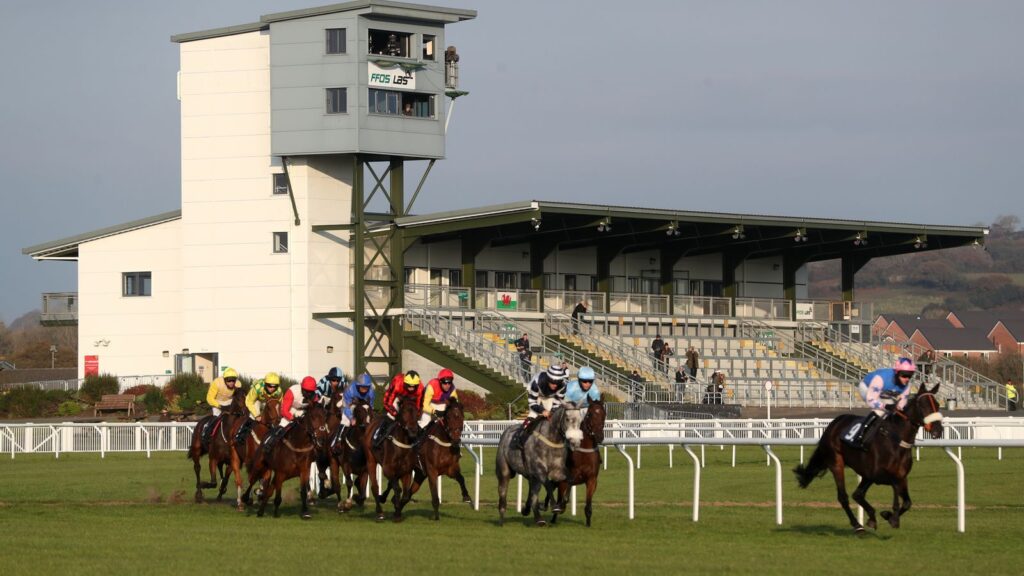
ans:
(549, 443)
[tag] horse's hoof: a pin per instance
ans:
(306, 515)
(467, 500)
(380, 518)
(557, 510)
(241, 507)
(859, 530)
(397, 519)
(541, 523)
(872, 524)
(199, 497)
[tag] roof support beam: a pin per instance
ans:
(471, 246)
(851, 263)
(668, 257)
(540, 249)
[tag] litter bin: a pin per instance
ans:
(951, 404)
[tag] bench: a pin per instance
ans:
(115, 402)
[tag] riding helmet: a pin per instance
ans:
(905, 365)
(364, 380)
(445, 373)
(272, 379)
(412, 378)
(586, 373)
(336, 373)
(556, 373)
(308, 384)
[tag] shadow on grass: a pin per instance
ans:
(830, 530)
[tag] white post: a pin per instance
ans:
(631, 472)
(696, 483)
(961, 521)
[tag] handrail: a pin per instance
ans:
(456, 329)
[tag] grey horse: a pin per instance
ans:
(541, 462)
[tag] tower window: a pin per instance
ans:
(429, 51)
(390, 43)
(280, 183)
(137, 284)
(337, 100)
(280, 242)
(335, 41)
(395, 103)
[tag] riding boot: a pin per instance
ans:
(243, 430)
(208, 430)
(383, 431)
(420, 436)
(272, 438)
(866, 433)
(525, 431)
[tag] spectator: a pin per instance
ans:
(525, 357)
(681, 377)
(657, 345)
(666, 356)
(636, 386)
(715, 390)
(925, 361)
(577, 316)
(691, 362)
(1011, 396)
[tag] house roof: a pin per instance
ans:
(386, 8)
(951, 338)
(1015, 326)
(67, 248)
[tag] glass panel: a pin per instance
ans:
(428, 47)
(335, 40)
(280, 184)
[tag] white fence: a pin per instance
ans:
(996, 433)
(74, 384)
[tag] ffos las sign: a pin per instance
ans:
(393, 77)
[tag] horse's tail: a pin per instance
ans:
(816, 467)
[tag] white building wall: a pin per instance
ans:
(238, 296)
(130, 333)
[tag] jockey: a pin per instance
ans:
(547, 390)
(435, 398)
(360, 389)
(293, 406)
(582, 390)
(261, 391)
(218, 396)
(327, 385)
(883, 390)
(407, 385)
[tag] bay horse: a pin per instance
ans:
(330, 485)
(247, 451)
(293, 456)
(395, 455)
(886, 460)
(541, 461)
(440, 453)
(585, 460)
(219, 449)
(348, 459)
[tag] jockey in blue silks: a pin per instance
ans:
(582, 390)
(360, 389)
(883, 390)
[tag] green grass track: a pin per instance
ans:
(126, 514)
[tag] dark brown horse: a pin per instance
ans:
(585, 460)
(219, 449)
(247, 451)
(440, 453)
(395, 455)
(330, 485)
(886, 460)
(293, 456)
(348, 460)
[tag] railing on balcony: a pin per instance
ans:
(764, 308)
(701, 306)
(59, 308)
(507, 300)
(566, 300)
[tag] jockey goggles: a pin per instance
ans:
(447, 380)
(905, 374)
(582, 381)
(231, 380)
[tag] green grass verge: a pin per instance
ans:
(129, 514)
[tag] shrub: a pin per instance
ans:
(95, 387)
(69, 408)
(24, 402)
(187, 392)
(479, 408)
(154, 400)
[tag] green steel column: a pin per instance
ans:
(358, 255)
(668, 257)
(729, 264)
(539, 251)
(397, 257)
(471, 246)
(790, 264)
(851, 263)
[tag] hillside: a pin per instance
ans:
(979, 278)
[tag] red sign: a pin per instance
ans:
(92, 365)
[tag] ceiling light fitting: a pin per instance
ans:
(738, 233)
(861, 239)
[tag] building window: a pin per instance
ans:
(335, 40)
(280, 183)
(506, 280)
(280, 242)
(395, 103)
(429, 41)
(481, 279)
(337, 100)
(137, 284)
(454, 277)
(390, 43)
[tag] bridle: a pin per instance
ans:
(932, 417)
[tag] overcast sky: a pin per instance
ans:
(882, 110)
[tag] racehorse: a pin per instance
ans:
(395, 455)
(293, 455)
(440, 452)
(584, 460)
(247, 451)
(541, 461)
(348, 458)
(219, 449)
(886, 460)
(330, 485)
